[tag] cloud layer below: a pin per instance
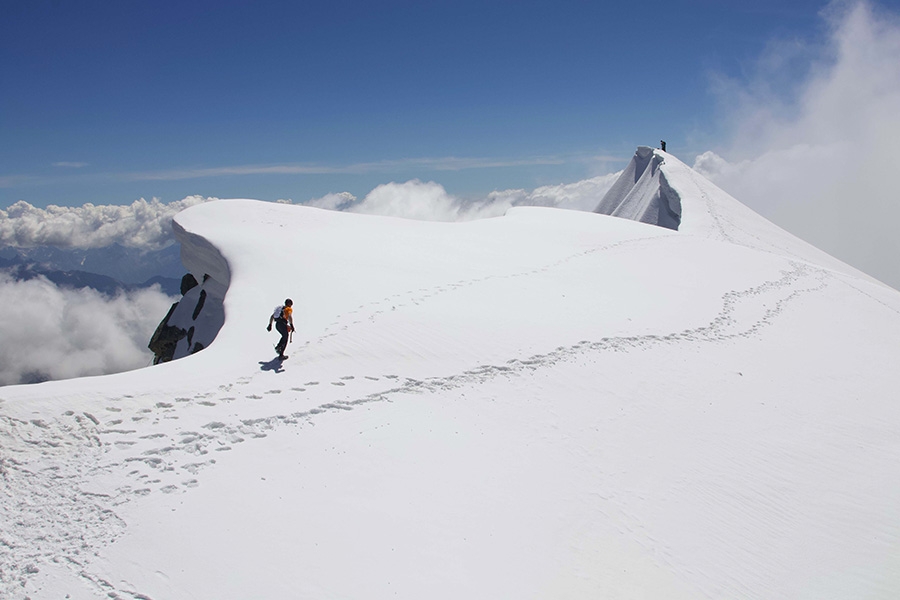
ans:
(53, 333)
(148, 224)
(141, 224)
(820, 161)
(429, 201)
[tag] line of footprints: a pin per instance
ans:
(157, 460)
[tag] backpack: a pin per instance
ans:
(279, 312)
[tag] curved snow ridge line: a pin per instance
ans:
(375, 309)
(845, 281)
(720, 224)
(713, 211)
(743, 228)
(200, 256)
(46, 513)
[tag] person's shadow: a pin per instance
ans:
(273, 365)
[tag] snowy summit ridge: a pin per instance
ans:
(642, 193)
(546, 404)
(658, 189)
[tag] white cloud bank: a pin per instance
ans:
(822, 162)
(141, 224)
(50, 332)
(429, 201)
(148, 224)
(53, 333)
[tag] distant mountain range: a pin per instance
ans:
(109, 270)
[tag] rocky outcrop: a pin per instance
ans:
(165, 339)
(188, 282)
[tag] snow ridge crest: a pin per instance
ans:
(642, 193)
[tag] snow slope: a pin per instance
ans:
(550, 404)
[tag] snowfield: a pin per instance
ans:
(548, 404)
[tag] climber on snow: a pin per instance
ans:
(284, 323)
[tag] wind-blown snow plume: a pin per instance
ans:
(429, 201)
(141, 224)
(821, 162)
(50, 332)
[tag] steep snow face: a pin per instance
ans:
(642, 193)
(547, 404)
(659, 189)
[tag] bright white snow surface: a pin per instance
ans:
(549, 404)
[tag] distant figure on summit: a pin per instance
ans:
(662, 145)
(283, 318)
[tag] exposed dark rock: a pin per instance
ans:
(195, 321)
(188, 282)
(200, 302)
(165, 338)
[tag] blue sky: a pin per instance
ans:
(107, 102)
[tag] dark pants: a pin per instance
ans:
(282, 327)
